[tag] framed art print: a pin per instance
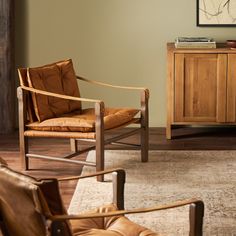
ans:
(216, 13)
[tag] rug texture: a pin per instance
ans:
(167, 177)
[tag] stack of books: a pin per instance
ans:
(195, 42)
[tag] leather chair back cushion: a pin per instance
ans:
(58, 78)
(20, 203)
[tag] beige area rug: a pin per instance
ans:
(167, 177)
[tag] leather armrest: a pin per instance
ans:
(196, 214)
(109, 85)
(108, 171)
(58, 95)
(133, 211)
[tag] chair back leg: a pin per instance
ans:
(144, 126)
(144, 144)
(99, 113)
(73, 145)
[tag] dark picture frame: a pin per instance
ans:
(217, 13)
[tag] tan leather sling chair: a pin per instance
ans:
(31, 207)
(50, 106)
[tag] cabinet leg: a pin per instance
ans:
(168, 132)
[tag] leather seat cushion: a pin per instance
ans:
(84, 121)
(60, 78)
(109, 226)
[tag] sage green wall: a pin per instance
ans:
(116, 41)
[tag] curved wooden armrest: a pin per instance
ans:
(59, 95)
(91, 175)
(125, 212)
(110, 85)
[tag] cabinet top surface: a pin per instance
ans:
(220, 48)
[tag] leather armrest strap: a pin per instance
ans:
(90, 175)
(109, 85)
(124, 212)
(59, 95)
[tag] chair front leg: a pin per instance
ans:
(99, 113)
(118, 180)
(144, 125)
(24, 147)
(196, 215)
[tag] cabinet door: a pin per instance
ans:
(231, 89)
(200, 88)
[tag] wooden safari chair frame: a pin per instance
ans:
(26, 113)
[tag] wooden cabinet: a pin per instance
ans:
(201, 87)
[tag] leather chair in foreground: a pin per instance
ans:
(31, 207)
(50, 107)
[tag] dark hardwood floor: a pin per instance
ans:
(184, 139)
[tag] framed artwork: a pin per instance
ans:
(216, 13)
